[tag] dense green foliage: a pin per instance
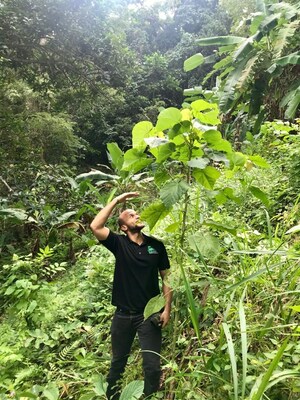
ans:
(92, 106)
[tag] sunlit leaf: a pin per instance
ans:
(141, 131)
(186, 115)
(168, 118)
(116, 155)
(135, 160)
(154, 305)
(202, 105)
(193, 62)
(295, 308)
(209, 118)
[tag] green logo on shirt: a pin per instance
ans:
(151, 250)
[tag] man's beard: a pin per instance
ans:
(136, 229)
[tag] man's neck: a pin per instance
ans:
(136, 237)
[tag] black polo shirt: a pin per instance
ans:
(136, 270)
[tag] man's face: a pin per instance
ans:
(131, 221)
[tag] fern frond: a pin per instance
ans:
(284, 35)
(67, 352)
(94, 333)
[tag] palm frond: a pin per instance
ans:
(283, 38)
(247, 72)
(228, 94)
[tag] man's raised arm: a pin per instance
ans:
(98, 224)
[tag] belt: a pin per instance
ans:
(129, 312)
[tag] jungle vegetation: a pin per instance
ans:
(195, 105)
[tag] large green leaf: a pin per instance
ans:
(202, 105)
(168, 118)
(100, 385)
(206, 177)
(135, 160)
(216, 142)
(161, 153)
(132, 391)
(207, 244)
(154, 305)
(140, 131)
(172, 192)
(154, 213)
(193, 62)
(208, 118)
(220, 40)
(116, 155)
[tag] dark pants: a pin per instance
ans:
(123, 331)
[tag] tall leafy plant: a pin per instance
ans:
(187, 154)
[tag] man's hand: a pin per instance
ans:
(164, 318)
(124, 196)
(98, 224)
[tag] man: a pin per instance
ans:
(139, 258)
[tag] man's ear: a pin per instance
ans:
(123, 228)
